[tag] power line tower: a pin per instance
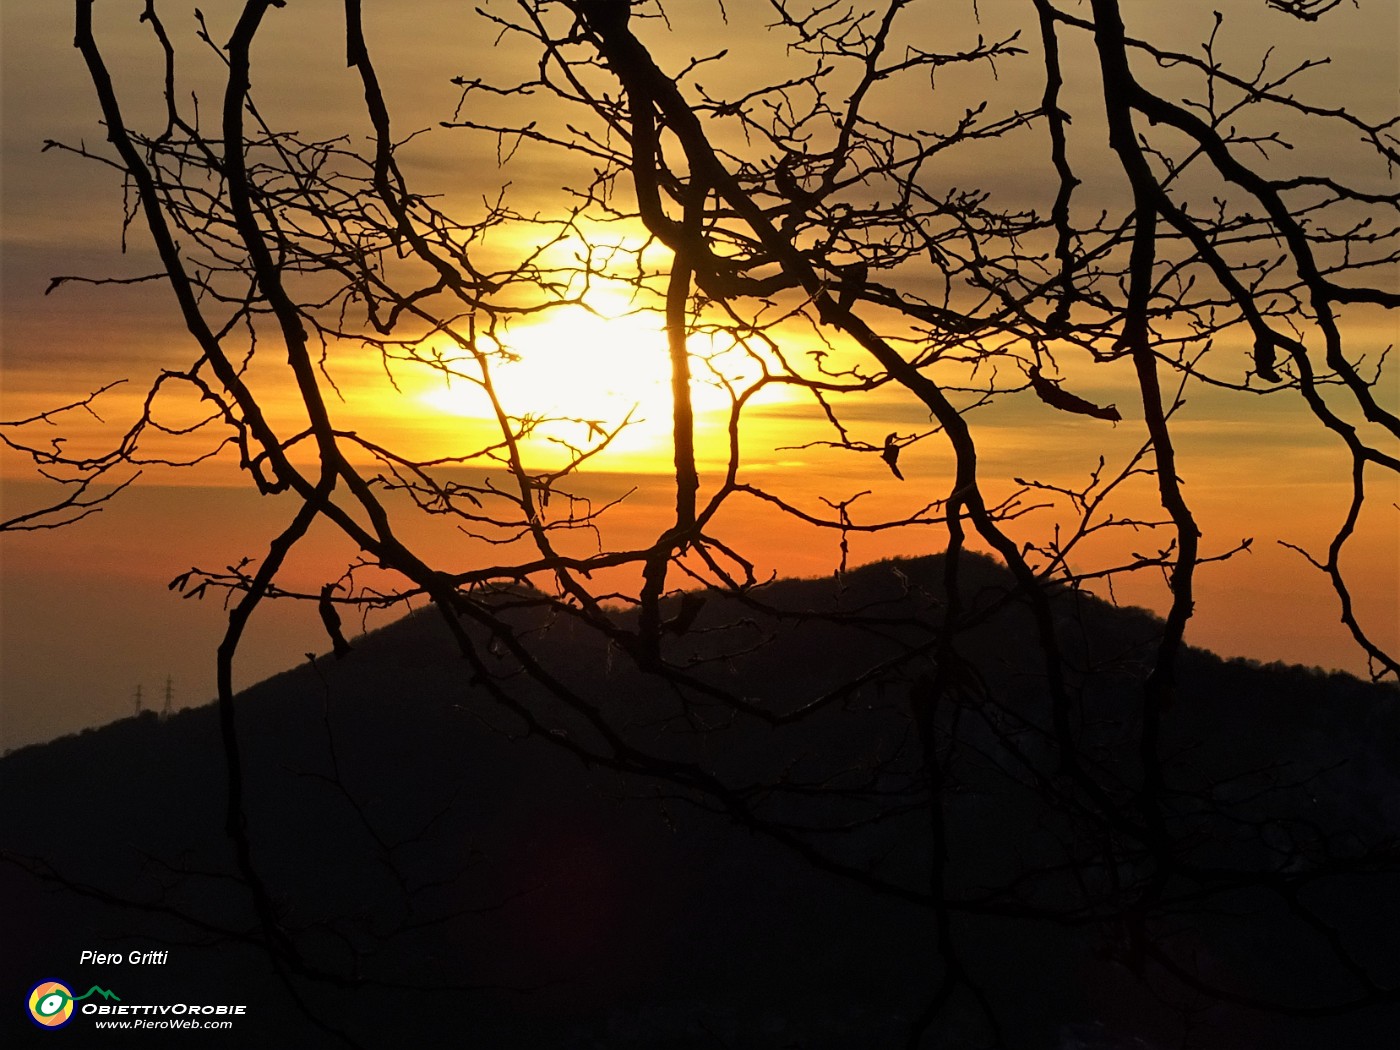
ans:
(137, 699)
(169, 696)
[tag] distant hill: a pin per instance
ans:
(448, 875)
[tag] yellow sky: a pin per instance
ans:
(1254, 467)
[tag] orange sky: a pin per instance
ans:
(1255, 467)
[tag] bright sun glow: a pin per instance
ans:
(597, 370)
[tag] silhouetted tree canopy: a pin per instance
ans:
(863, 204)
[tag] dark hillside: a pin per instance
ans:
(448, 876)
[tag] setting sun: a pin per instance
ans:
(621, 523)
(581, 374)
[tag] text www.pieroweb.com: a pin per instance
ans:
(176, 1017)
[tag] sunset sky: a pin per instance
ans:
(85, 615)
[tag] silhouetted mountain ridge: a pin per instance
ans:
(416, 834)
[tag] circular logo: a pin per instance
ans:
(51, 1004)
